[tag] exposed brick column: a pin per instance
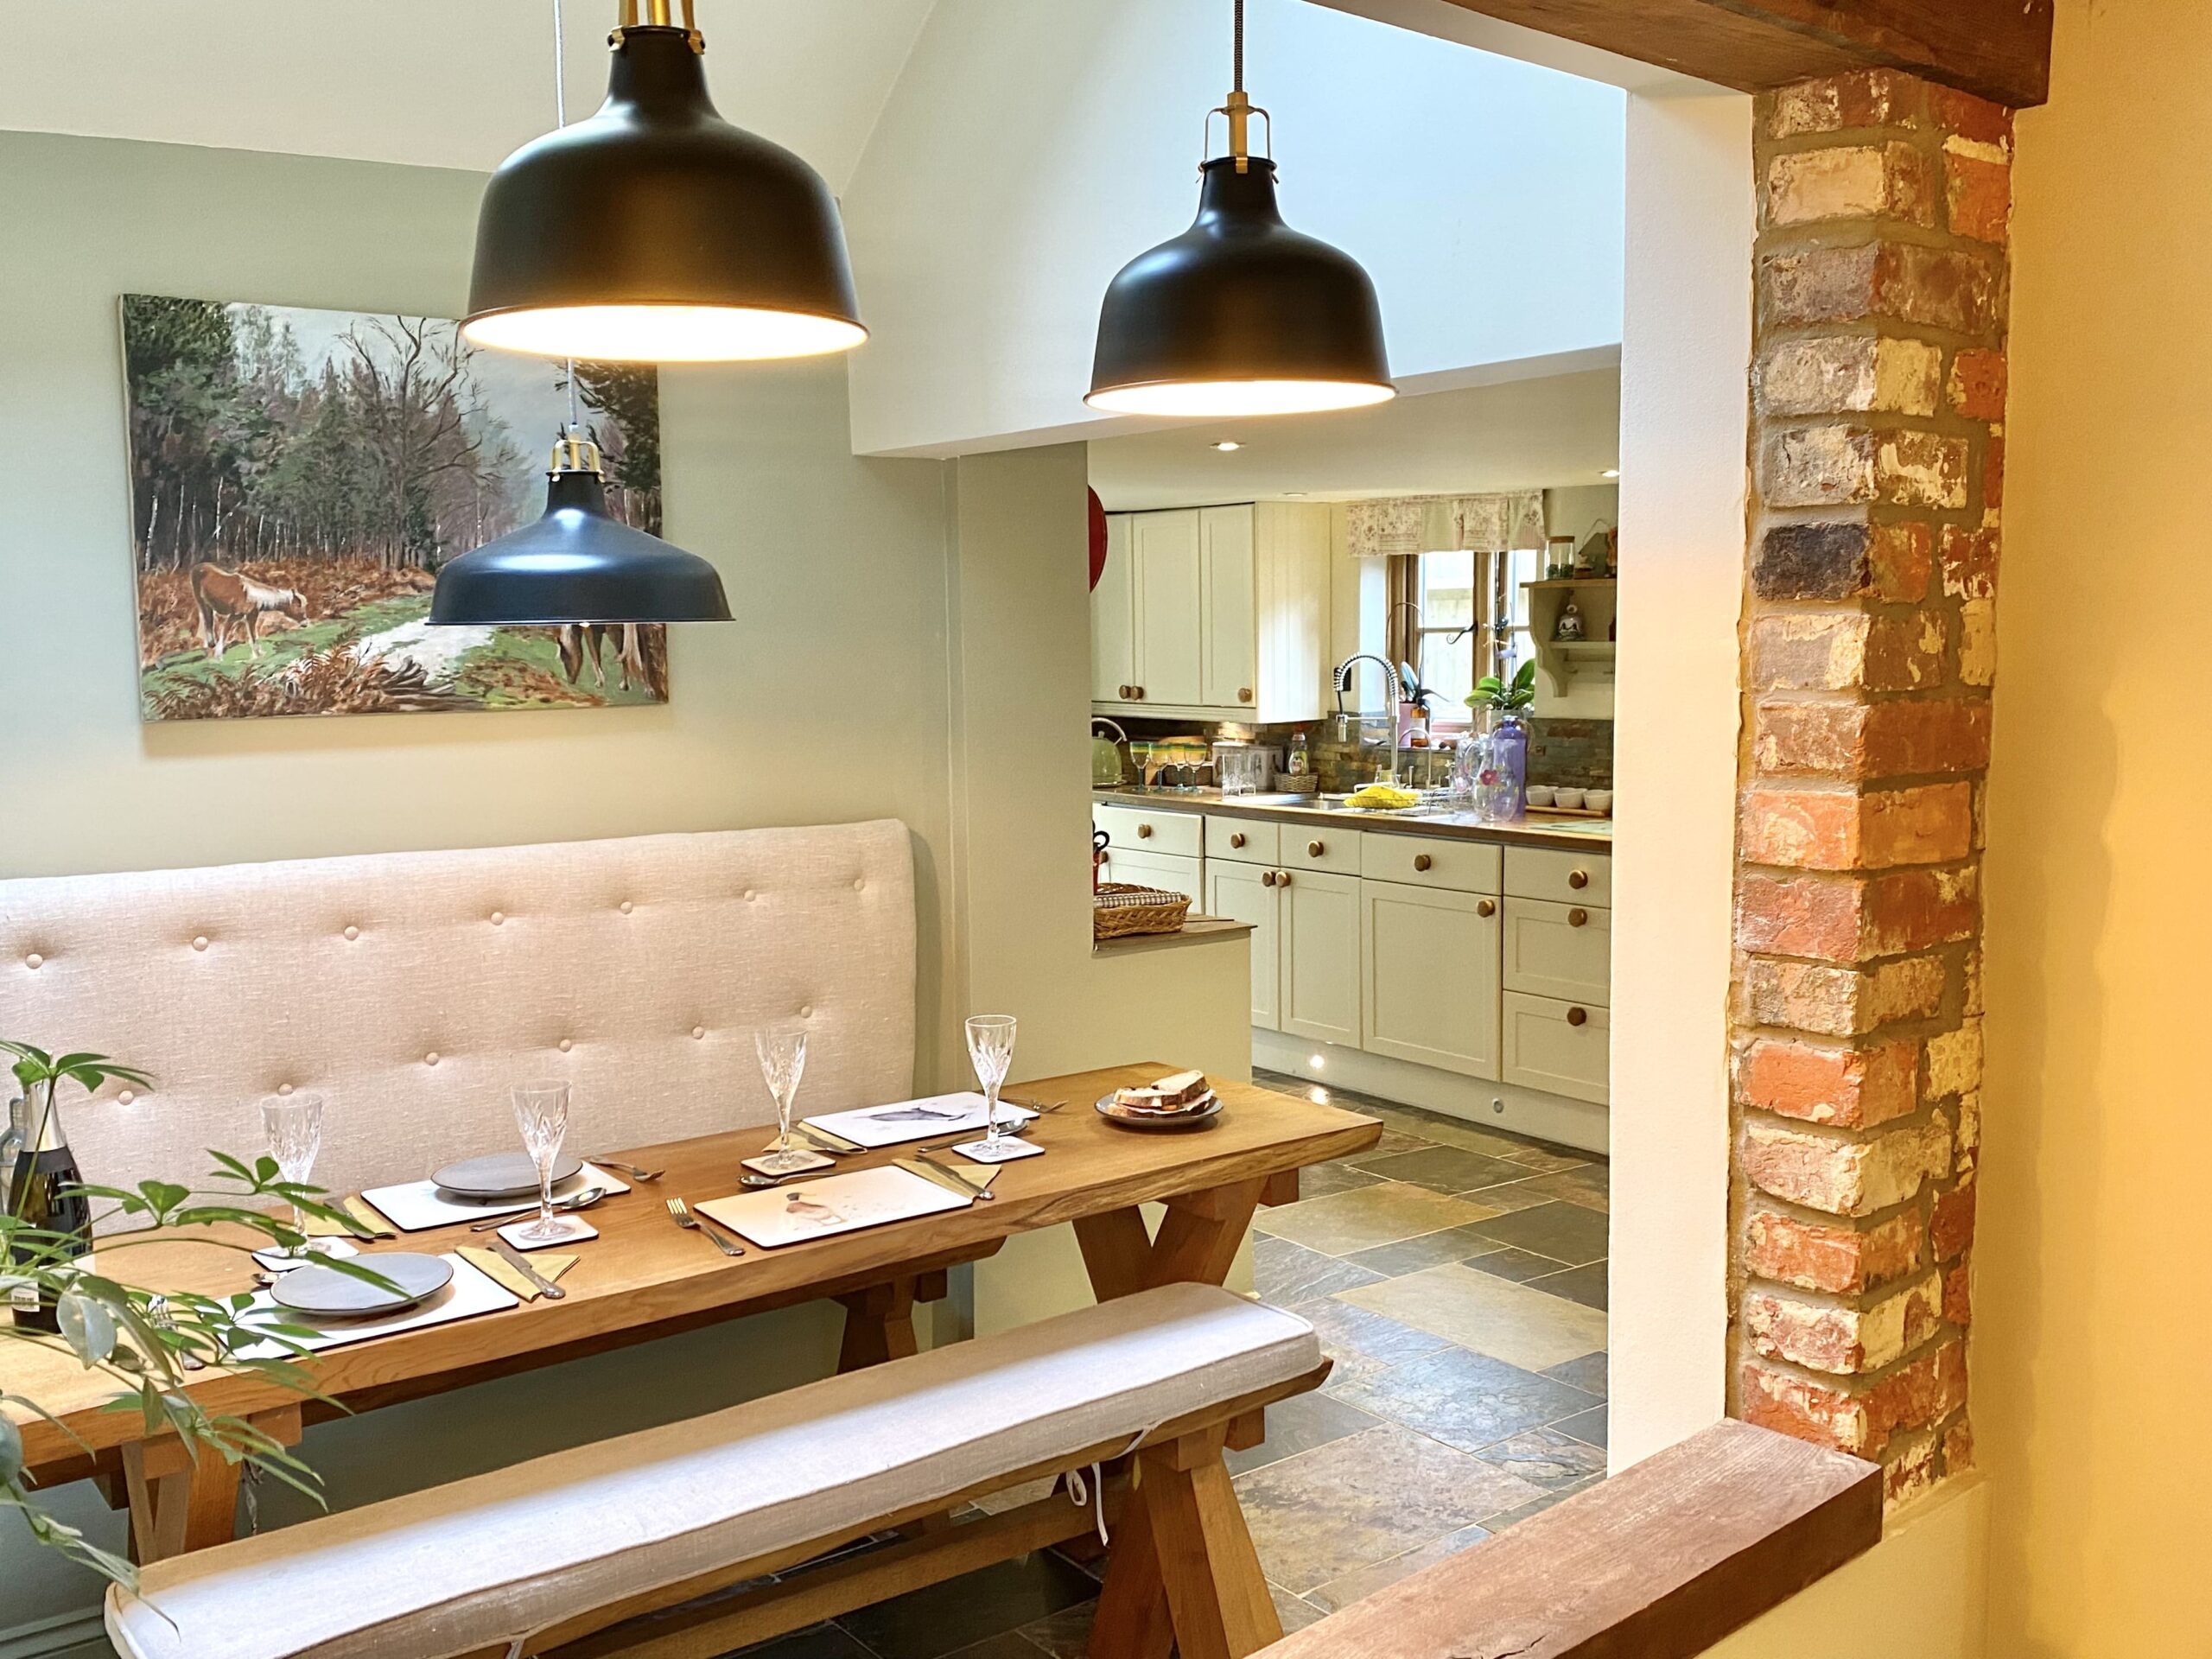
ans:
(1878, 459)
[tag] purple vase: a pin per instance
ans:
(1501, 782)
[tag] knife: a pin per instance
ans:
(514, 1259)
(958, 1180)
(828, 1140)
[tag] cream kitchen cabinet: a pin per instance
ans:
(1563, 1048)
(1246, 893)
(1429, 976)
(1220, 611)
(1320, 955)
(1169, 872)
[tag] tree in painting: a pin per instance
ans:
(298, 477)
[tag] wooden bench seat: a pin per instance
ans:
(562, 1549)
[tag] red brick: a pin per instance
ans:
(1992, 473)
(1870, 97)
(1842, 1338)
(1977, 385)
(1958, 1296)
(1912, 910)
(1958, 289)
(1969, 561)
(1846, 650)
(1958, 1447)
(1831, 1257)
(1909, 1470)
(1834, 1002)
(1978, 193)
(1840, 829)
(1850, 182)
(1865, 741)
(1846, 917)
(1969, 116)
(1950, 1222)
(1819, 1083)
(1840, 1175)
(1860, 1421)
(1899, 561)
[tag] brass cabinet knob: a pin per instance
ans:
(1267, 877)
(1144, 832)
(1136, 694)
(1578, 878)
(1578, 1016)
(1422, 861)
(1125, 691)
(1313, 850)
(1243, 694)
(1578, 918)
(1282, 878)
(1236, 838)
(1486, 907)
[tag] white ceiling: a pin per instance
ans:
(437, 82)
(1544, 432)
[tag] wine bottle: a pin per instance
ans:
(45, 1190)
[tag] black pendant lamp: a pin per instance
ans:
(655, 231)
(578, 563)
(1240, 315)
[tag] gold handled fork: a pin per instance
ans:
(683, 1217)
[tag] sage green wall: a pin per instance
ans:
(828, 699)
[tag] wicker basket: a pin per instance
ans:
(1119, 908)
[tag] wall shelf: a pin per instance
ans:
(1577, 674)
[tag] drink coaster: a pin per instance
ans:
(798, 1161)
(980, 1152)
(574, 1229)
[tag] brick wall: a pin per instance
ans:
(1877, 463)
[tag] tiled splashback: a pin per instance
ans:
(1578, 753)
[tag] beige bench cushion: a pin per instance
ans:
(485, 1560)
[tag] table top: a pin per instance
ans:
(1540, 828)
(645, 1277)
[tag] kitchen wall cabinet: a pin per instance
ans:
(1320, 955)
(1429, 976)
(1216, 612)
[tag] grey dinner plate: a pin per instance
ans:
(1197, 1116)
(502, 1175)
(332, 1295)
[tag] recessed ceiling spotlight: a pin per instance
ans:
(1294, 495)
(1610, 471)
(1228, 446)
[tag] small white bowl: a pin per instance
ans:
(1570, 798)
(1540, 794)
(1599, 800)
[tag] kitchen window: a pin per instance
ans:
(1442, 609)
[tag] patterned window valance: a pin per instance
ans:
(1445, 524)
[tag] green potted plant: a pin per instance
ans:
(143, 1341)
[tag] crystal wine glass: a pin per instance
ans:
(782, 1049)
(293, 1125)
(541, 1114)
(990, 1046)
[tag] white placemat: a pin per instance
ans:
(411, 1207)
(472, 1292)
(917, 1120)
(835, 1203)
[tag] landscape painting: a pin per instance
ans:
(298, 476)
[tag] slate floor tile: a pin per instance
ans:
(1565, 1232)
(1368, 1216)
(1508, 1196)
(1425, 1250)
(1536, 1506)
(1365, 1499)
(1358, 1585)
(1586, 1373)
(1490, 1315)
(1583, 1285)
(1299, 1424)
(1588, 1425)
(1010, 1645)
(1394, 1143)
(817, 1642)
(1443, 1169)
(1591, 1186)
(1345, 1329)
(1321, 1179)
(941, 1619)
(1517, 1264)
(1287, 1273)
(1467, 1400)
(1546, 1458)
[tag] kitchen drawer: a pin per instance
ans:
(1423, 862)
(1564, 951)
(1140, 829)
(1162, 870)
(1547, 1047)
(1570, 877)
(1247, 840)
(1320, 847)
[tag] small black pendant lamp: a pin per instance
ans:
(655, 231)
(578, 563)
(1240, 315)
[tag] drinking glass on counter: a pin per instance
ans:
(782, 1049)
(990, 1046)
(541, 1114)
(294, 1126)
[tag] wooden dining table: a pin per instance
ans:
(644, 1278)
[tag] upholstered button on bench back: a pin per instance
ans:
(412, 990)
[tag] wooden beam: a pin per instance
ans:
(1661, 1561)
(1999, 49)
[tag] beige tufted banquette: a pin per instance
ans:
(411, 989)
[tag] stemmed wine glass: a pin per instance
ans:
(782, 1049)
(293, 1125)
(541, 1114)
(991, 1046)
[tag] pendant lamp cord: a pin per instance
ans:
(1237, 79)
(561, 119)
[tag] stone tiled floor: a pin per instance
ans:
(1457, 1275)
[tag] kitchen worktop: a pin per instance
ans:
(1540, 828)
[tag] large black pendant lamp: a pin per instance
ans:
(578, 563)
(655, 231)
(1240, 315)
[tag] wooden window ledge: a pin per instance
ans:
(1662, 1560)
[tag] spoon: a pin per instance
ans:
(582, 1200)
(749, 1179)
